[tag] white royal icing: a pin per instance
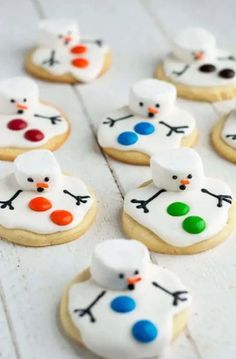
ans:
(152, 304)
(228, 133)
(52, 44)
(23, 217)
(186, 47)
(182, 183)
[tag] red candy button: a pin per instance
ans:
(80, 49)
(40, 204)
(61, 217)
(81, 63)
(34, 135)
(17, 124)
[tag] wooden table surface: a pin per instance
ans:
(32, 279)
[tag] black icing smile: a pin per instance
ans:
(20, 112)
(150, 114)
(40, 189)
(131, 286)
(182, 187)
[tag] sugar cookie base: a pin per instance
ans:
(10, 153)
(39, 72)
(198, 93)
(179, 320)
(134, 230)
(139, 158)
(219, 144)
(31, 239)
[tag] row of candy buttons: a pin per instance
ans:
(128, 138)
(32, 135)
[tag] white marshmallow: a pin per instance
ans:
(152, 98)
(17, 94)
(37, 170)
(177, 169)
(194, 44)
(58, 33)
(116, 263)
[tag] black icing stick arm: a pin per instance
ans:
(51, 61)
(181, 72)
(177, 296)
(8, 204)
(230, 58)
(173, 129)
(98, 42)
(220, 197)
(142, 204)
(111, 121)
(79, 199)
(53, 119)
(88, 309)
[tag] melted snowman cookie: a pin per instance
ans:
(26, 122)
(198, 69)
(224, 136)
(152, 122)
(40, 206)
(180, 211)
(123, 292)
(62, 55)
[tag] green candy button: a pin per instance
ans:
(178, 209)
(194, 224)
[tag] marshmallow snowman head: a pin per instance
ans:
(194, 44)
(37, 170)
(58, 33)
(152, 98)
(18, 95)
(119, 264)
(177, 170)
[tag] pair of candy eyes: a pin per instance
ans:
(46, 179)
(61, 36)
(121, 275)
(141, 104)
(12, 100)
(189, 176)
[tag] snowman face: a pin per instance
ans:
(37, 170)
(58, 33)
(194, 44)
(152, 98)
(18, 95)
(177, 170)
(119, 264)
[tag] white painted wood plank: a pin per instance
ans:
(33, 279)
(7, 348)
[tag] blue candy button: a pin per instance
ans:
(127, 138)
(144, 128)
(123, 304)
(144, 331)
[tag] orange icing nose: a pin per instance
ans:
(61, 217)
(67, 38)
(21, 107)
(80, 49)
(40, 204)
(42, 185)
(153, 110)
(185, 181)
(81, 63)
(199, 55)
(133, 280)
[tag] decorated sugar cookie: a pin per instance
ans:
(25, 121)
(181, 211)
(40, 206)
(224, 136)
(198, 68)
(62, 55)
(124, 306)
(150, 123)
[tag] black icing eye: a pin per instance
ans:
(29, 179)
(46, 179)
(60, 36)
(136, 272)
(157, 105)
(121, 275)
(190, 176)
(12, 100)
(174, 177)
(141, 104)
(24, 100)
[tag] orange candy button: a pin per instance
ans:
(40, 204)
(80, 63)
(61, 217)
(80, 49)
